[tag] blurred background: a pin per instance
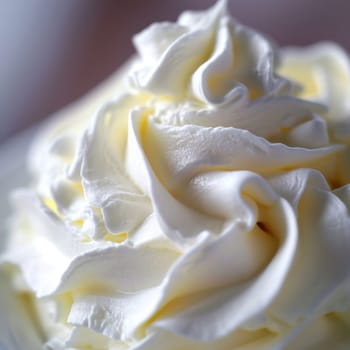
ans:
(52, 52)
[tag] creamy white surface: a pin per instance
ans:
(204, 205)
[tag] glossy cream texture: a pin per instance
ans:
(205, 205)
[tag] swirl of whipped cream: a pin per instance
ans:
(204, 207)
(323, 70)
(207, 55)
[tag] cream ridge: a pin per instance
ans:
(200, 202)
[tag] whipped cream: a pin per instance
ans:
(203, 205)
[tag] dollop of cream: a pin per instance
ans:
(203, 205)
